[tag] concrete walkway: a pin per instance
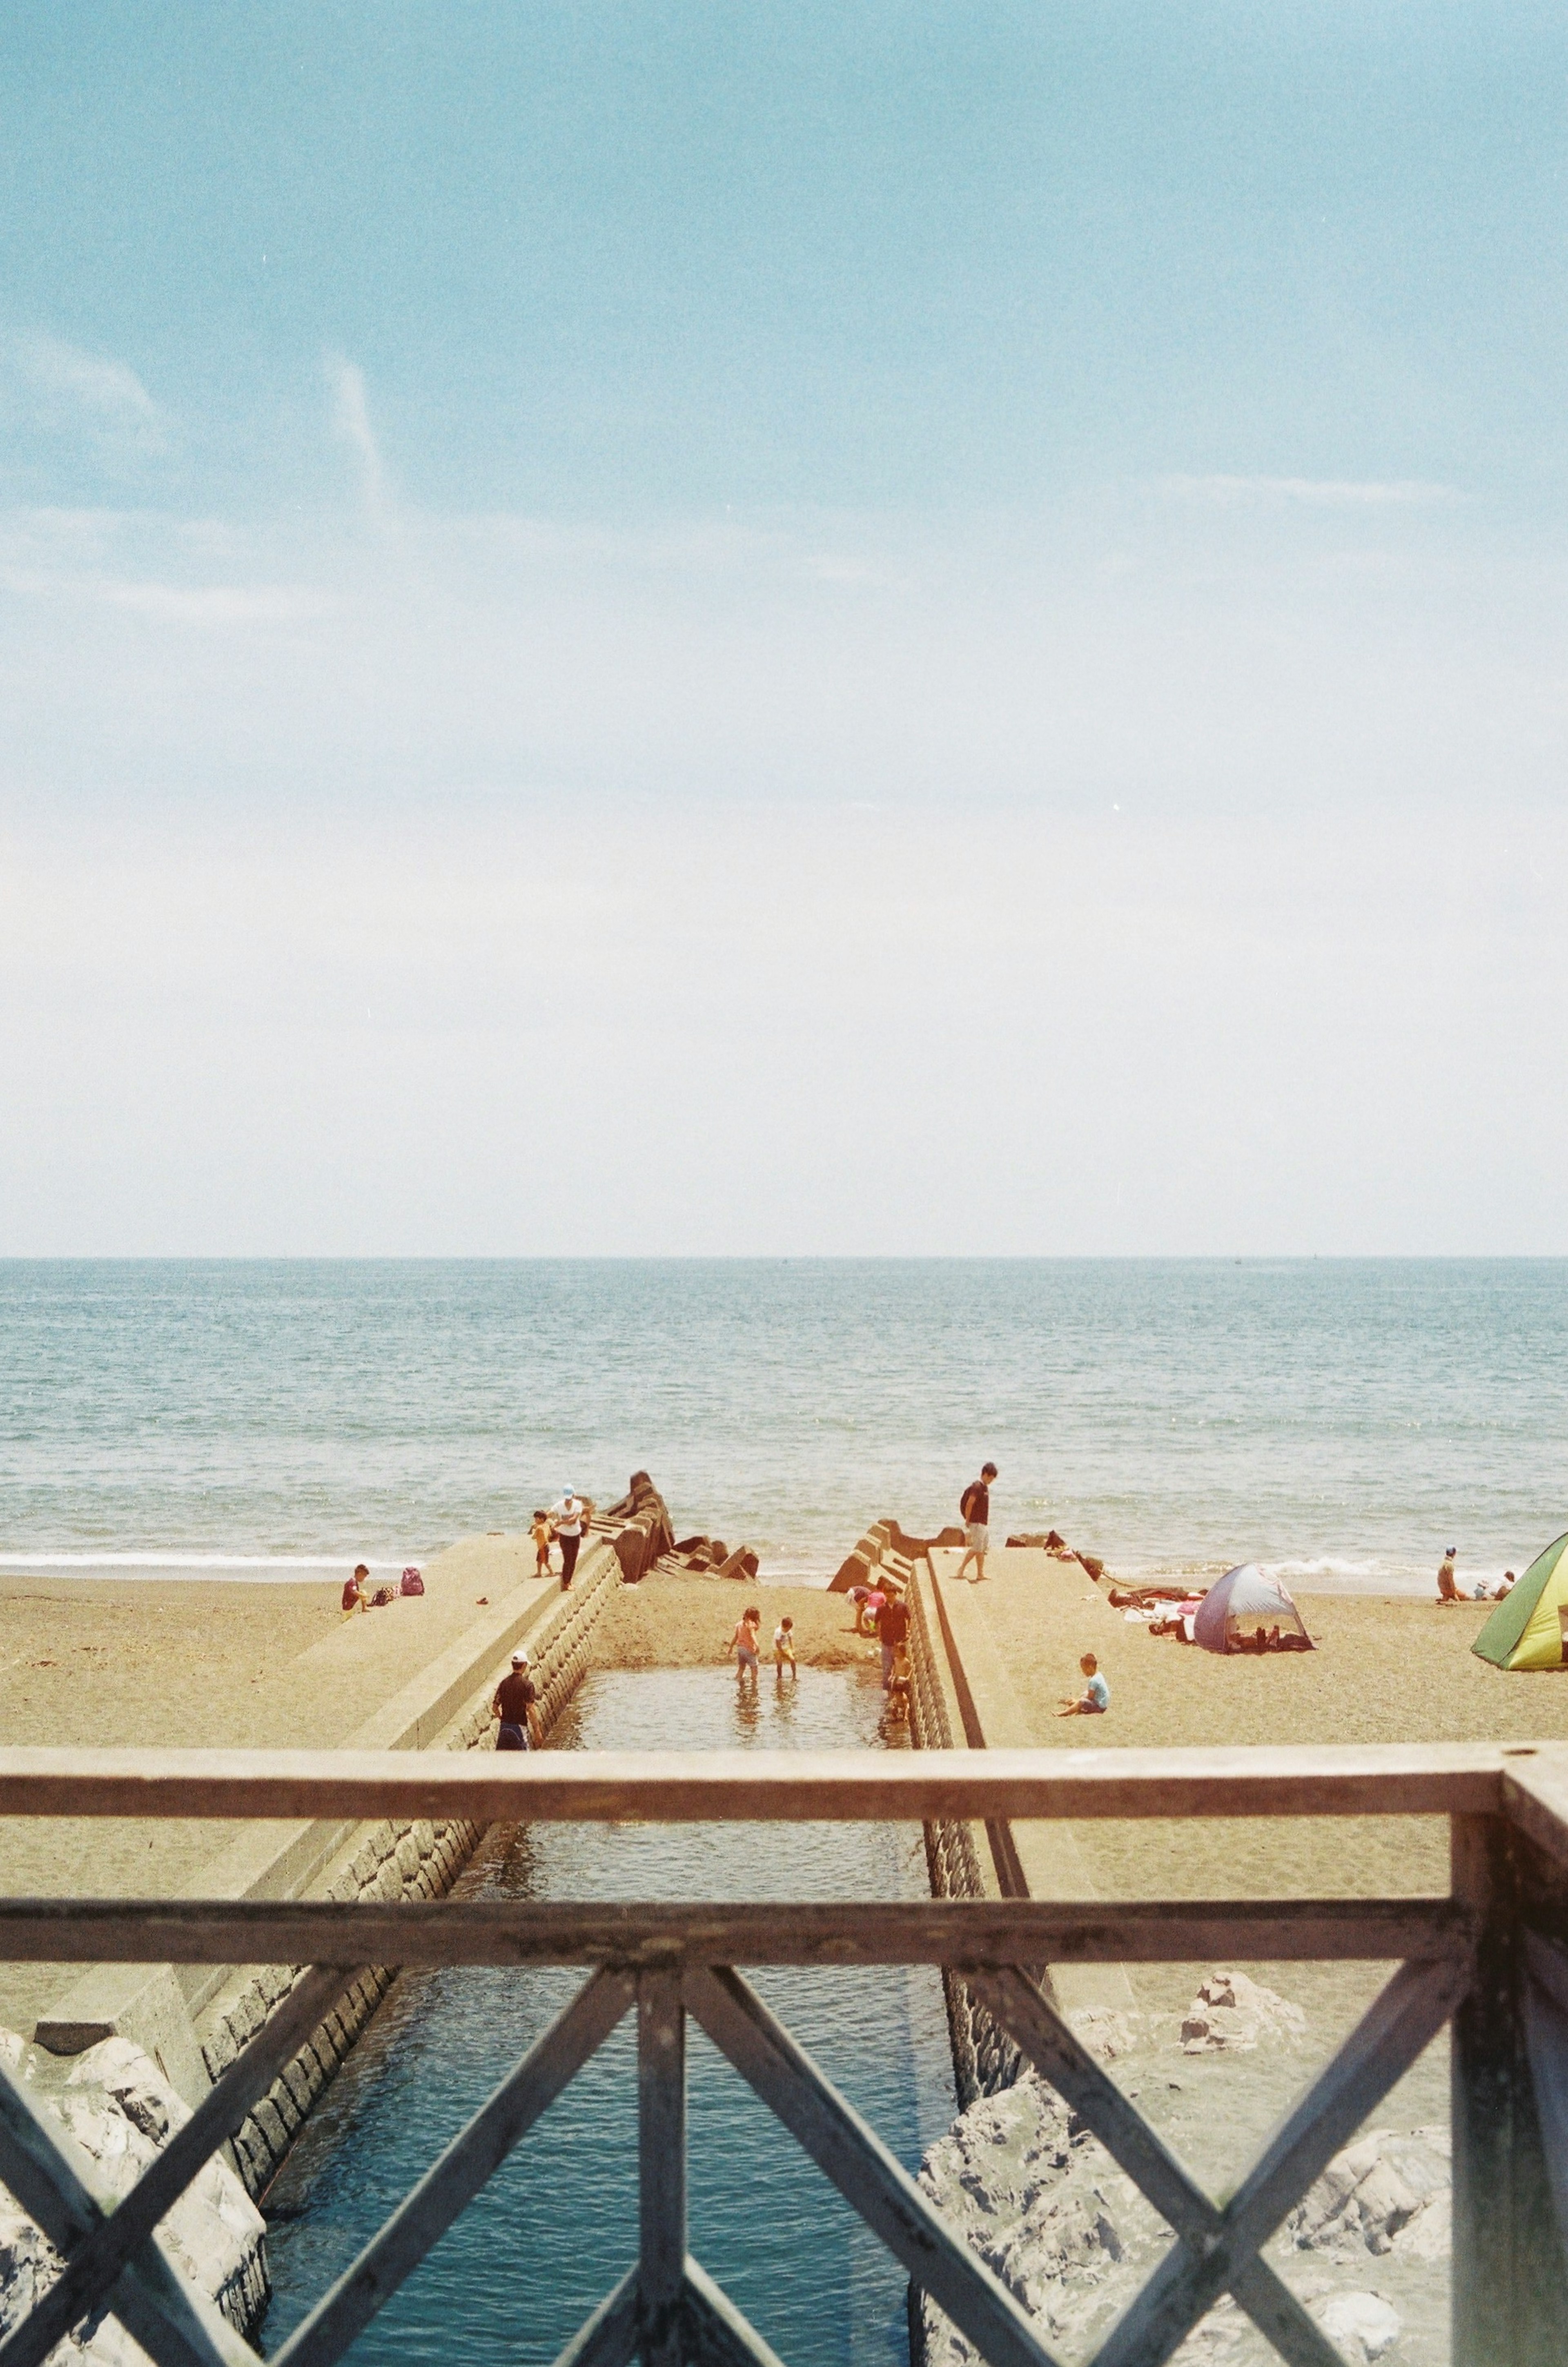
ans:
(1051, 1860)
(388, 1679)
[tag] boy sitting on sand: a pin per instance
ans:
(541, 1534)
(1095, 1698)
(784, 1646)
(355, 1596)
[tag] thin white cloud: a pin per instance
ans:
(351, 424)
(79, 389)
(1314, 493)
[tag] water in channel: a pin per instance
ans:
(556, 2226)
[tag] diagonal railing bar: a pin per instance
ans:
(608, 2338)
(1401, 2022)
(1063, 2059)
(862, 2170)
(58, 2186)
(719, 2335)
(450, 2185)
(97, 2260)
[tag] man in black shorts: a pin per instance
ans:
(976, 1507)
(514, 1697)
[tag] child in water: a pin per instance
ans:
(540, 1533)
(784, 1646)
(744, 1645)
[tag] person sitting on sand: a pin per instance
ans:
(1447, 1590)
(1095, 1698)
(541, 1532)
(514, 1706)
(784, 1646)
(355, 1594)
(1509, 1582)
(744, 1644)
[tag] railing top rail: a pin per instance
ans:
(731, 1786)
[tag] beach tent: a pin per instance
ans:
(1529, 1627)
(1245, 1600)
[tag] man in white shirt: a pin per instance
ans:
(567, 1519)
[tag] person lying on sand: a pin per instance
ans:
(1447, 1590)
(1095, 1698)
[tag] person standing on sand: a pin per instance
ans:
(566, 1519)
(745, 1644)
(975, 1508)
(892, 1627)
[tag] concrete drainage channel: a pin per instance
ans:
(388, 1861)
(128, 2051)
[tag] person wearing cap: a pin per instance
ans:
(1447, 1590)
(514, 1706)
(567, 1519)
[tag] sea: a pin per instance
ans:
(1342, 1422)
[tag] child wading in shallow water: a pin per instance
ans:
(784, 1646)
(744, 1644)
(1095, 1697)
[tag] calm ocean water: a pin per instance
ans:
(1344, 1421)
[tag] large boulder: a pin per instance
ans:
(1232, 2011)
(120, 2109)
(1385, 2193)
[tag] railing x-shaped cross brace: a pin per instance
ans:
(667, 2307)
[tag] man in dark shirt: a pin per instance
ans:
(514, 1697)
(892, 1627)
(977, 1510)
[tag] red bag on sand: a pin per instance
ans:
(412, 1582)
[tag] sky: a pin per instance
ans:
(682, 628)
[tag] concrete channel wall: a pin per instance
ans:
(193, 2020)
(388, 1862)
(964, 1860)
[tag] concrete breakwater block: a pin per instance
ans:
(116, 2111)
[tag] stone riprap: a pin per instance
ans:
(1040, 2200)
(116, 2110)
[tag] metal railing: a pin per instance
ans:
(1487, 1957)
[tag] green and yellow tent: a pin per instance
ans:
(1529, 1627)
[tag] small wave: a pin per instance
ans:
(184, 1564)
